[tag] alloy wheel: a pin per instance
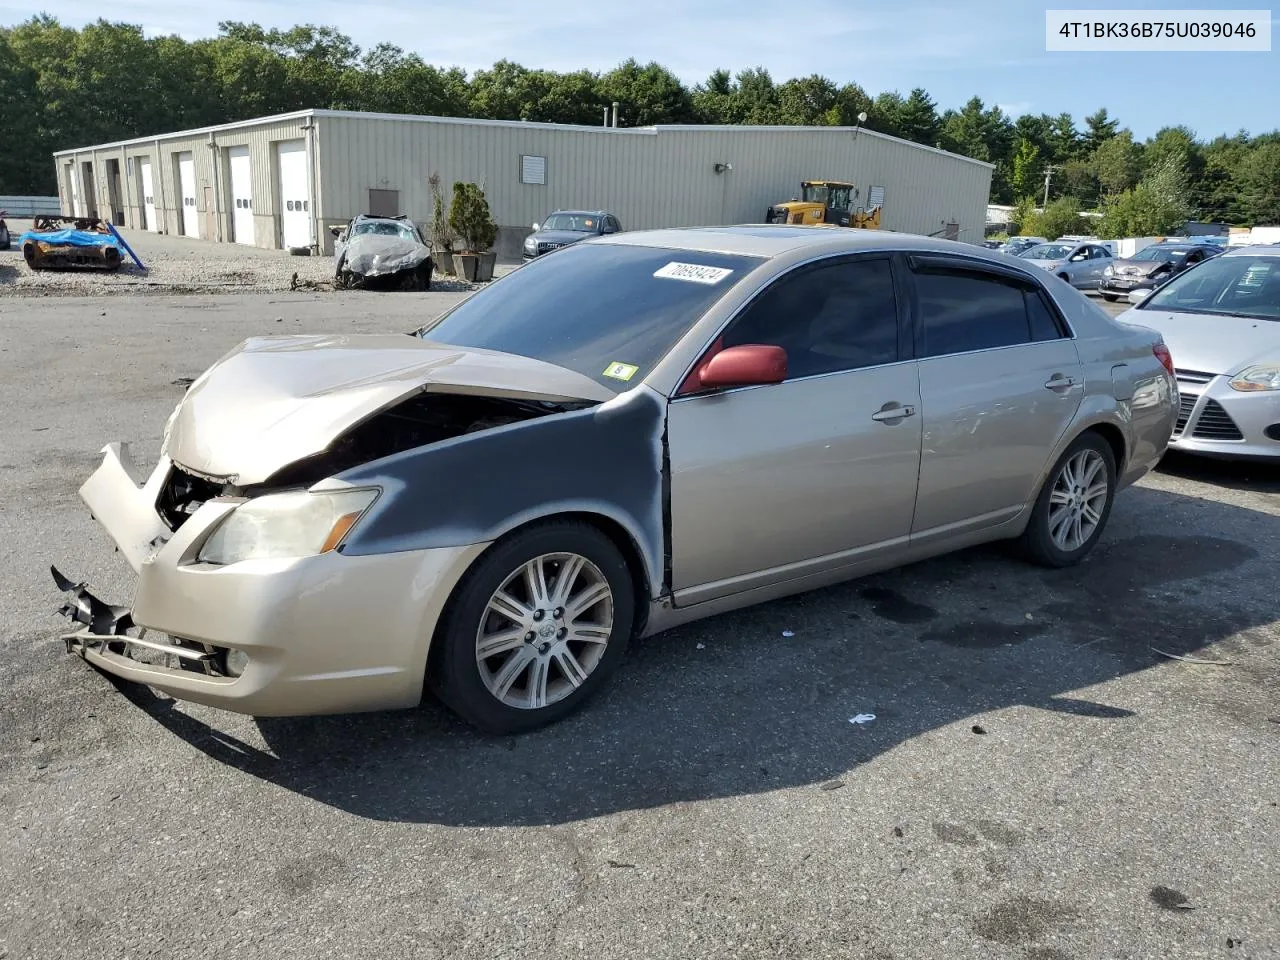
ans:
(1077, 500)
(544, 630)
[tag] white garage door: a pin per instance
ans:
(73, 184)
(295, 208)
(187, 190)
(241, 195)
(148, 198)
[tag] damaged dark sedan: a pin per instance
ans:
(381, 253)
(640, 431)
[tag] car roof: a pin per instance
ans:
(587, 213)
(1259, 249)
(770, 240)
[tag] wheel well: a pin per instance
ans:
(1063, 276)
(1115, 440)
(617, 534)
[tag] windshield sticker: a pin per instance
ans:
(693, 272)
(621, 371)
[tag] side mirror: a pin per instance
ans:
(748, 365)
(535, 226)
(336, 231)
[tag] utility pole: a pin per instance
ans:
(1048, 175)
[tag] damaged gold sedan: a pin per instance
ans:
(640, 431)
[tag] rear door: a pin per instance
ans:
(773, 482)
(1000, 381)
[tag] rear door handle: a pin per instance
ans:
(888, 413)
(1060, 382)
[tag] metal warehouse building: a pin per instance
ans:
(281, 181)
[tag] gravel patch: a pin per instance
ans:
(179, 265)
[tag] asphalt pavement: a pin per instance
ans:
(1038, 782)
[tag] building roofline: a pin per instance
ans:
(190, 132)
(526, 124)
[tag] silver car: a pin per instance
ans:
(1080, 264)
(1221, 320)
(642, 430)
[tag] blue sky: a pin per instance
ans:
(992, 48)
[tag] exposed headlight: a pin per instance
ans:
(1262, 376)
(530, 243)
(277, 525)
(1109, 271)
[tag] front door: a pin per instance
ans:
(1000, 382)
(769, 483)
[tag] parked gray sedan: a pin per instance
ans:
(1221, 319)
(1080, 264)
(642, 430)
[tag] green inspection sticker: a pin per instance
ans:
(621, 371)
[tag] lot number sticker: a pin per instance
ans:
(621, 371)
(693, 272)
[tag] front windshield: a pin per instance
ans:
(607, 311)
(383, 228)
(1047, 251)
(1166, 254)
(815, 193)
(574, 222)
(1242, 286)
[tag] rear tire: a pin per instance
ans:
(1072, 510)
(484, 664)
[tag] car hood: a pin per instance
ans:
(1210, 344)
(275, 400)
(561, 236)
(1137, 268)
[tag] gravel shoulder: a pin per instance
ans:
(177, 265)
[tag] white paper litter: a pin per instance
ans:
(788, 633)
(702, 646)
(862, 718)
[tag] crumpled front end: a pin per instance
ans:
(374, 260)
(279, 636)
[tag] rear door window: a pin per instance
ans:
(966, 309)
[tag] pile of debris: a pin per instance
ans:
(64, 243)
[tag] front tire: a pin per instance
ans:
(535, 628)
(1110, 297)
(1074, 504)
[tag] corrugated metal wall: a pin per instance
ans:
(211, 171)
(649, 178)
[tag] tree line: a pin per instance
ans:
(61, 87)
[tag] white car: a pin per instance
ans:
(1221, 322)
(1080, 264)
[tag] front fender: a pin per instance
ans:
(606, 460)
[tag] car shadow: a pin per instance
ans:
(762, 699)
(1258, 476)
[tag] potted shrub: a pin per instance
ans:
(442, 235)
(469, 217)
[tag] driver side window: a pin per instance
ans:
(829, 317)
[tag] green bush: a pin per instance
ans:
(469, 218)
(1059, 217)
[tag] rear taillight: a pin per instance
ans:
(1164, 356)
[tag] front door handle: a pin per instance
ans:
(892, 413)
(1059, 382)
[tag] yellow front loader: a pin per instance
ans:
(825, 203)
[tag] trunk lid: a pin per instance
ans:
(275, 400)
